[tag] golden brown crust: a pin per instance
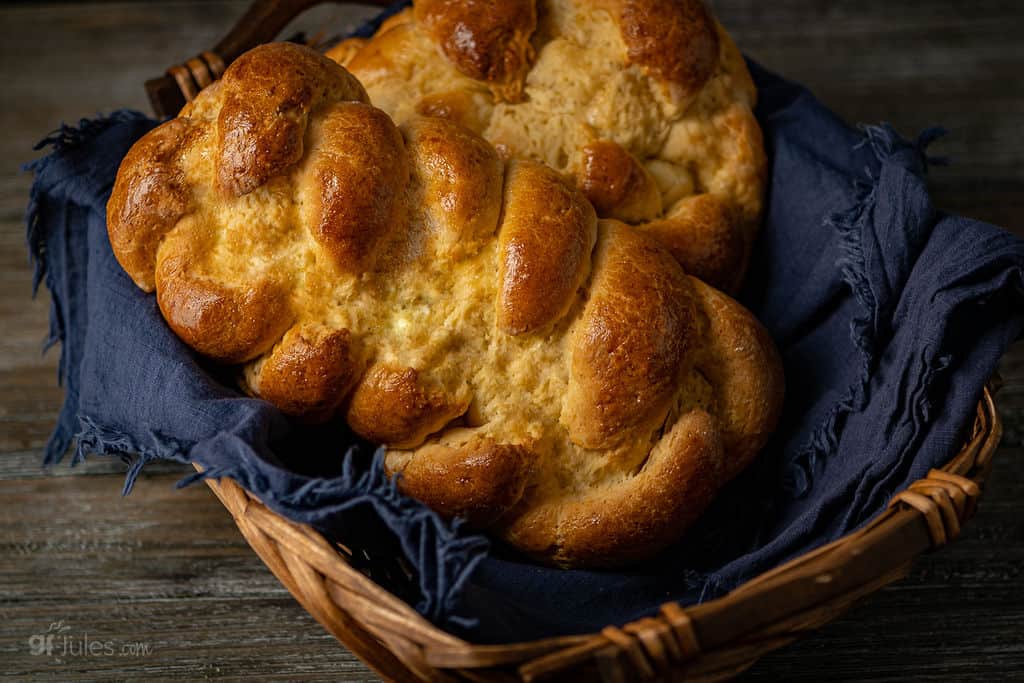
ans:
(488, 41)
(607, 397)
(739, 352)
(743, 145)
(343, 52)
(268, 94)
(619, 522)
(457, 180)
(228, 324)
(616, 184)
(547, 232)
(454, 105)
(631, 343)
(393, 406)
(351, 185)
(705, 239)
(308, 373)
(644, 102)
(634, 518)
(676, 41)
(150, 196)
(377, 54)
(397, 19)
(478, 479)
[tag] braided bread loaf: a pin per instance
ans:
(645, 103)
(553, 377)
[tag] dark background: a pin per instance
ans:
(167, 570)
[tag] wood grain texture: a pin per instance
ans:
(167, 568)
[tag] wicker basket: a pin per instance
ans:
(712, 641)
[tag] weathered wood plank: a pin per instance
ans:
(163, 568)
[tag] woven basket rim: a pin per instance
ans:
(713, 640)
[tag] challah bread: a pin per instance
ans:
(555, 378)
(646, 104)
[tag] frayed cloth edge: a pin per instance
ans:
(462, 552)
(850, 225)
(63, 140)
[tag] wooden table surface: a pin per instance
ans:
(164, 582)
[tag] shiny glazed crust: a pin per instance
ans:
(646, 104)
(550, 376)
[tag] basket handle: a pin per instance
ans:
(263, 21)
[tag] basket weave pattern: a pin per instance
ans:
(711, 641)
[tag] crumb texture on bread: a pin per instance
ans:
(552, 376)
(646, 104)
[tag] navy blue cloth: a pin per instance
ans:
(890, 317)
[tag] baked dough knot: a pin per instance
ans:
(555, 378)
(646, 104)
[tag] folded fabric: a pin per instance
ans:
(890, 317)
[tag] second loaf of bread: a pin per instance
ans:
(554, 378)
(645, 104)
